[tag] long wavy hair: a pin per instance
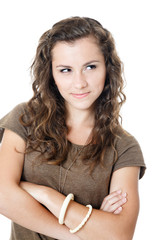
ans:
(46, 112)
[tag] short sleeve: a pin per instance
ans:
(129, 154)
(11, 121)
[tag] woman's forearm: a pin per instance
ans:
(101, 225)
(21, 208)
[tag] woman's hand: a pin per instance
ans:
(113, 202)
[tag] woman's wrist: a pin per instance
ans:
(53, 200)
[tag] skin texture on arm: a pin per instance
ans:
(104, 225)
(101, 224)
(127, 179)
(17, 204)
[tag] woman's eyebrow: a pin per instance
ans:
(93, 61)
(63, 66)
(87, 63)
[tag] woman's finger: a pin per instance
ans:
(115, 206)
(118, 210)
(110, 196)
(110, 205)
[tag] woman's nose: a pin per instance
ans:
(80, 81)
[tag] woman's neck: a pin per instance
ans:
(80, 124)
(80, 118)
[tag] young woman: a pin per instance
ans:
(68, 170)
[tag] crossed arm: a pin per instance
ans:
(22, 202)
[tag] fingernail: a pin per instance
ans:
(119, 191)
(124, 194)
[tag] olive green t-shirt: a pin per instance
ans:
(88, 189)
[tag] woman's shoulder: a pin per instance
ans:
(124, 138)
(129, 152)
(12, 121)
(20, 108)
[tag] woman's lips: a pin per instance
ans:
(79, 96)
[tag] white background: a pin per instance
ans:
(135, 27)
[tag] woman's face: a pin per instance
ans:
(79, 72)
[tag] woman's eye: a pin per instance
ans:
(89, 67)
(65, 70)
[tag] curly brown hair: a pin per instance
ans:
(46, 109)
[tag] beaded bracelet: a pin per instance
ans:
(83, 221)
(64, 207)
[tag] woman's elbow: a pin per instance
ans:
(125, 233)
(3, 199)
(124, 236)
(116, 233)
(7, 191)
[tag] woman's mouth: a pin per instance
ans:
(80, 95)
